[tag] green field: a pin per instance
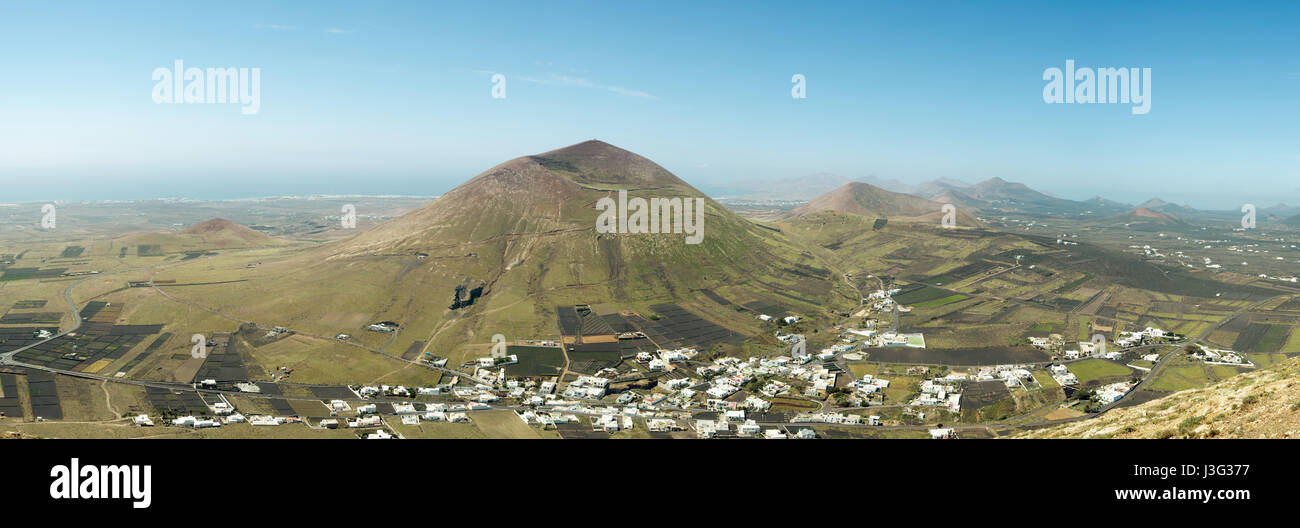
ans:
(1045, 379)
(925, 294)
(1095, 369)
(1189, 376)
(942, 301)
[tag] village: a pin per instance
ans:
(792, 394)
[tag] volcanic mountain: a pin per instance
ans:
(217, 233)
(934, 188)
(1156, 204)
(222, 229)
(999, 194)
(518, 204)
(1143, 216)
(523, 234)
(1281, 210)
(868, 200)
(808, 187)
(1002, 193)
(1100, 205)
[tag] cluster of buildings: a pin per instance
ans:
(872, 338)
(1062, 375)
(197, 423)
(1081, 349)
(1218, 356)
(1011, 375)
(587, 388)
(1147, 335)
(943, 433)
(734, 423)
(1112, 393)
(1088, 348)
(662, 358)
(399, 391)
(1045, 343)
(868, 384)
(789, 319)
(547, 420)
(939, 392)
(881, 300)
(896, 339)
(775, 388)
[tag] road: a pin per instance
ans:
(7, 357)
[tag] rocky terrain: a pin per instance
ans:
(1261, 404)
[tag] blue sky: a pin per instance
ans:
(378, 97)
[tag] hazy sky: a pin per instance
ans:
(375, 97)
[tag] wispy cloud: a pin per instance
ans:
(556, 79)
(275, 27)
(337, 31)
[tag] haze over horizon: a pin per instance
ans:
(389, 98)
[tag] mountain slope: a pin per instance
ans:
(997, 194)
(222, 229)
(808, 187)
(1100, 205)
(1144, 216)
(1156, 204)
(217, 233)
(868, 200)
(523, 233)
(1003, 194)
(1257, 404)
(1281, 210)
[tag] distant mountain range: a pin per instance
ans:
(992, 195)
(1280, 211)
(996, 195)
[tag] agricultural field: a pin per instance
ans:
(1182, 374)
(1098, 370)
(1259, 337)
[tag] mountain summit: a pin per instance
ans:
(542, 195)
